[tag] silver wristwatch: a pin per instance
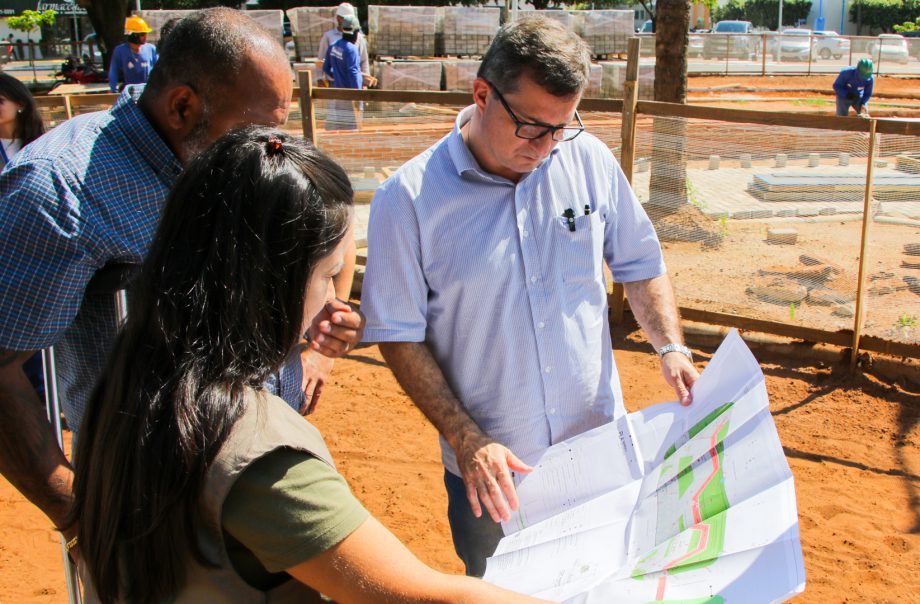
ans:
(675, 348)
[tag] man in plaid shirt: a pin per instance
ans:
(89, 194)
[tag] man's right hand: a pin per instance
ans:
(486, 468)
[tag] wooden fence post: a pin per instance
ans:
(307, 110)
(617, 299)
(858, 319)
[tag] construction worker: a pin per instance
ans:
(854, 88)
(335, 34)
(342, 66)
(132, 61)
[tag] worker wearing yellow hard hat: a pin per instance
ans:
(136, 25)
(132, 61)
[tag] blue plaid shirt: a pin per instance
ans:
(84, 195)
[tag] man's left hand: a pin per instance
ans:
(680, 374)
(336, 330)
(316, 370)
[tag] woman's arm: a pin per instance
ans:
(372, 565)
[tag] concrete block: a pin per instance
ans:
(745, 159)
(814, 160)
(778, 290)
(782, 236)
(370, 172)
(847, 311)
(843, 159)
(827, 211)
(785, 213)
(740, 215)
(806, 212)
(912, 249)
(759, 214)
(781, 160)
(642, 165)
(881, 163)
(714, 162)
(829, 297)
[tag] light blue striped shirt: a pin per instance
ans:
(511, 302)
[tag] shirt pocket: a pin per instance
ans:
(580, 252)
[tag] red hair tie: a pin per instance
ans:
(274, 145)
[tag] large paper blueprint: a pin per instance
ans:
(670, 504)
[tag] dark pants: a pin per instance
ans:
(475, 539)
(843, 106)
(35, 371)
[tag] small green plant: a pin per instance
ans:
(723, 226)
(693, 196)
(906, 321)
(792, 311)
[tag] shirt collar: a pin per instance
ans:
(462, 157)
(143, 137)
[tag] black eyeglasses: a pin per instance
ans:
(532, 131)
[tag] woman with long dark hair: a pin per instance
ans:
(192, 483)
(20, 121)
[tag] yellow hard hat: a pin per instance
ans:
(136, 25)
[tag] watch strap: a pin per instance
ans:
(674, 347)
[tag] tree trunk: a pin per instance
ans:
(108, 19)
(668, 178)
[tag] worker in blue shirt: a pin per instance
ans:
(132, 61)
(342, 65)
(854, 88)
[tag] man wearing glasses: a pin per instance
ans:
(485, 284)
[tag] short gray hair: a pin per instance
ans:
(557, 59)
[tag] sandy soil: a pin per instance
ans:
(853, 444)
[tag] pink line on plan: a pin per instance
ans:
(697, 518)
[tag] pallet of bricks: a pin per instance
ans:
(614, 79)
(409, 75)
(459, 75)
(308, 24)
(403, 31)
(605, 31)
(272, 20)
(467, 30)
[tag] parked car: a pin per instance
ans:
(829, 44)
(695, 45)
(913, 42)
(889, 47)
(791, 44)
(732, 39)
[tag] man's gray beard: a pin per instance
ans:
(197, 140)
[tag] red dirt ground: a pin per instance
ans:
(853, 444)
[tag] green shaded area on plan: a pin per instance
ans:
(697, 428)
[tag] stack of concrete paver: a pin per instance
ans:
(272, 20)
(308, 24)
(595, 88)
(606, 31)
(403, 31)
(614, 77)
(459, 75)
(564, 17)
(409, 75)
(469, 30)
